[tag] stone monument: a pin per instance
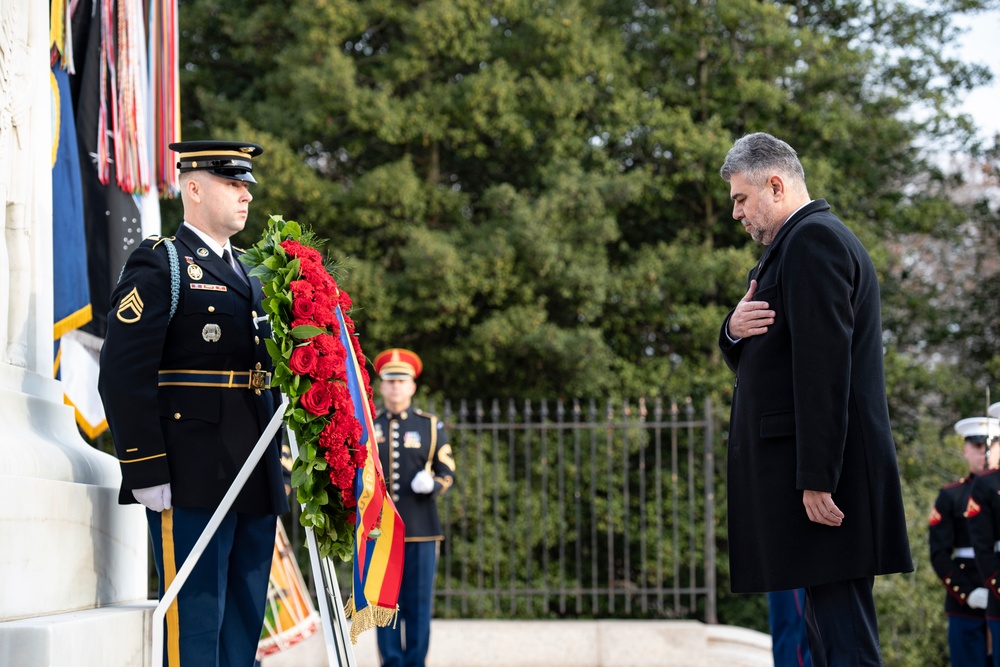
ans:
(73, 565)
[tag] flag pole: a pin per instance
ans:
(331, 607)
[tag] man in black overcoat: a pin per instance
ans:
(185, 380)
(814, 492)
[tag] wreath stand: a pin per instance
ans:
(339, 652)
(335, 631)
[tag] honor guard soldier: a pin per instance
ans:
(185, 381)
(983, 514)
(417, 461)
(952, 556)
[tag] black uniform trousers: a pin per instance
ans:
(217, 617)
(842, 626)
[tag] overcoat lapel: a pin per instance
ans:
(772, 250)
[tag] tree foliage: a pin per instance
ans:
(526, 192)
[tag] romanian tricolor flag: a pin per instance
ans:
(378, 545)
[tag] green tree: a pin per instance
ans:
(526, 192)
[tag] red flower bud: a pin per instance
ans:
(318, 399)
(303, 308)
(303, 359)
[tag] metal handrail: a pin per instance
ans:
(170, 594)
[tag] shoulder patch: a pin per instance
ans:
(972, 509)
(130, 308)
(935, 517)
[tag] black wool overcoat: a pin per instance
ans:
(809, 412)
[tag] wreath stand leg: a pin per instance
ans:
(339, 652)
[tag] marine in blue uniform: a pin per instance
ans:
(185, 380)
(417, 461)
(952, 556)
(983, 515)
(786, 618)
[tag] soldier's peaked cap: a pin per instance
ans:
(976, 429)
(228, 159)
(398, 363)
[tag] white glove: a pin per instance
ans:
(977, 598)
(422, 482)
(156, 498)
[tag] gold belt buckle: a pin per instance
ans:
(258, 380)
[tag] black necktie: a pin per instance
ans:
(229, 260)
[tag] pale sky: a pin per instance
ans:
(981, 44)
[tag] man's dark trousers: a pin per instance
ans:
(214, 630)
(843, 628)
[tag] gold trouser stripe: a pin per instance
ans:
(169, 572)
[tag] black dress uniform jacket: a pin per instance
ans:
(165, 430)
(949, 530)
(983, 513)
(809, 412)
(409, 442)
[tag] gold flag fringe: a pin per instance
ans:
(368, 618)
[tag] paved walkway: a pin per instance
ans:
(480, 643)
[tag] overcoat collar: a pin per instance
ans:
(212, 263)
(814, 206)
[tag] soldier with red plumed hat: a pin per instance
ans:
(418, 465)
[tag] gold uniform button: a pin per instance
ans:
(177, 415)
(211, 309)
(256, 340)
(955, 589)
(253, 313)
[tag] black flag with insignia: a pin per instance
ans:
(112, 221)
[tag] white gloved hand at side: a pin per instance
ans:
(977, 599)
(156, 498)
(422, 482)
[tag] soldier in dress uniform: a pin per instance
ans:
(983, 515)
(952, 555)
(417, 461)
(185, 380)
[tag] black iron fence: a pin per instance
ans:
(578, 510)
